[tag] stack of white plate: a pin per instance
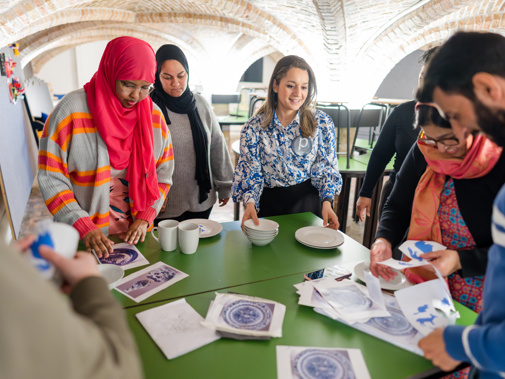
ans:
(319, 237)
(261, 234)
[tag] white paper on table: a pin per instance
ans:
(350, 300)
(125, 255)
(413, 249)
(245, 315)
(294, 362)
(374, 291)
(175, 327)
(418, 305)
(148, 281)
(309, 296)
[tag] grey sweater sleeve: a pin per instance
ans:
(219, 156)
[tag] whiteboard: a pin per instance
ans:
(16, 174)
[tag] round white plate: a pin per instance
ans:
(319, 237)
(399, 282)
(208, 228)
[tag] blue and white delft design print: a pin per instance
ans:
(322, 364)
(249, 315)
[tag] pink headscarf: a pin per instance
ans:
(127, 132)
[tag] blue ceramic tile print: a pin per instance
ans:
(396, 325)
(322, 364)
(244, 314)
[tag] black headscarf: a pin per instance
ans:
(184, 104)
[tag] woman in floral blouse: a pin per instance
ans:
(288, 161)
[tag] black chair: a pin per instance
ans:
(340, 120)
(371, 116)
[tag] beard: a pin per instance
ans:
(491, 122)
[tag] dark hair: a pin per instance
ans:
(427, 55)
(429, 115)
(307, 121)
(459, 59)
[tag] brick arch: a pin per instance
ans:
(43, 49)
(419, 28)
(25, 19)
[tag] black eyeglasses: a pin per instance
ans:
(447, 141)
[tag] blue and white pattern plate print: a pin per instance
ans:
(396, 325)
(298, 362)
(125, 255)
(322, 364)
(243, 314)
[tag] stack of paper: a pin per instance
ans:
(378, 314)
(245, 317)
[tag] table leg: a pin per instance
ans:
(372, 221)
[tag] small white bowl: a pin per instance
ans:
(111, 273)
(264, 225)
(260, 242)
(260, 236)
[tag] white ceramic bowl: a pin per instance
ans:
(260, 236)
(260, 242)
(111, 273)
(264, 225)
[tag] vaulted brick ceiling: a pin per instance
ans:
(348, 42)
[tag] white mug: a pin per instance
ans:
(62, 238)
(189, 236)
(167, 230)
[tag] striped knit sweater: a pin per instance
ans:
(74, 166)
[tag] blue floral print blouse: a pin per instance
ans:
(278, 157)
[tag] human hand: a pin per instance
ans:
(363, 205)
(223, 202)
(381, 250)
(250, 212)
(164, 206)
(24, 243)
(446, 261)
(99, 242)
(330, 219)
(433, 346)
(137, 231)
(73, 270)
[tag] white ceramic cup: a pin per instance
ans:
(62, 238)
(167, 231)
(189, 236)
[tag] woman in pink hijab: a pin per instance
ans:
(105, 160)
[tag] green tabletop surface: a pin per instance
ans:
(233, 120)
(227, 358)
(229, 259)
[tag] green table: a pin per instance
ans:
(302, 326)
(229, 259)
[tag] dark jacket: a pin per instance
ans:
(475, 200)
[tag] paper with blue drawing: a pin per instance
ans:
(393, 328)
(148, 281)
(125, 255)
(300, 362)
(238, 316)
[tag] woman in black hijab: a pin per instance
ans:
(202, 161)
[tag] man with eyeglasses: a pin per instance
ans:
(466, 80)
